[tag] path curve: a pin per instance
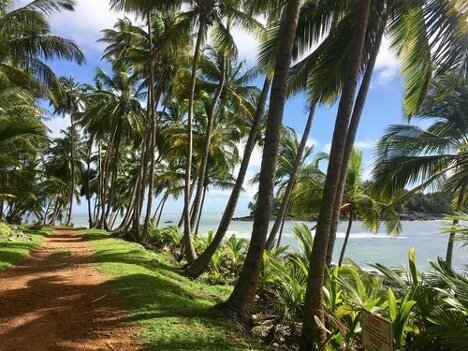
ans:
(55, 300)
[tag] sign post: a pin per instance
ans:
(376, 332)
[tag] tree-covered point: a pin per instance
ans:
(438, 203)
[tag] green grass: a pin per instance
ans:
(14, 250)
(175, 313)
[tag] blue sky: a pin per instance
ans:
(384, 103)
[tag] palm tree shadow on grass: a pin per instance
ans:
(175, 318)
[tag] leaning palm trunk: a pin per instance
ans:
(278, 243)
(195, 269)
(206, 148)
(242, 298)
(351, 137)
(190, 253)
(140, 190)
(161, 210)
(201, 210)
(312, 333)
(451, 241)
(292, 179)
(348, 232)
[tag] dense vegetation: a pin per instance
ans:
(175, 110)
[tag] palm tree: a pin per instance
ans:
(411, 30)
(67, 165)
(435, 156)
(273, 11)
(229, 106)
(155, 54)
(359, 202)
(26, 43)
(69, 100)
(201, 263)
(242, 298)
(292, 155)
(312, 332)
(205, 13)
(115, 116)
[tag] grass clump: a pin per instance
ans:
(175, 312)
(17, 242)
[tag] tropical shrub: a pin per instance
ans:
(169, 237)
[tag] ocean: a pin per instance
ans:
(364, 247)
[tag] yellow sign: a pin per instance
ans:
(376, 332)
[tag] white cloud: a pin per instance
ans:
(56, 125)
(84, 25)
(386, 66)
(365, 144)
(312, 142)
(367, 170)
(248, 46)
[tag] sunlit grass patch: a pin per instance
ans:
(175, 313)
(16, 243)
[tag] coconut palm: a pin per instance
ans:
(206, 14)
(436, 156)
(416, 68)
(26, 42)
(68, 99)
(243, 296)
(359, 202)
(293, 154)
(115, 116)
(229, 105)
(66, 165)
(273, 11)
(312, 332)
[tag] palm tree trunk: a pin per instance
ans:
(152, 116)
(158, 207)
(140, 190)
(278, 243)
(313, 305)
(88, 180)
(242, 298)
(348, 231)
(128, 214)
(201, 210)
(190, 253)
(460, 201)
(206, 149)
(352, 131)
(97, 203)
(105, 177)
(111, 197)
(292, 178)
(195, 269)
(72, 168)
(161, 210)
(181, 220)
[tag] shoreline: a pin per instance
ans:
(409, 216)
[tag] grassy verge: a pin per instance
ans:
(14, 248)
(175, 313)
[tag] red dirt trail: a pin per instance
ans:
(55, 300)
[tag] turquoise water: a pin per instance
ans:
(363, 247)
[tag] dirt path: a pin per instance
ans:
(55, 300)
